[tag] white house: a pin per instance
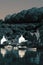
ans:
(3, 39)
(22, 39)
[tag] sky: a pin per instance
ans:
(14, 6)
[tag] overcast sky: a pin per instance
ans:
(14, 6)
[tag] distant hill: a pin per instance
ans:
(26, 16)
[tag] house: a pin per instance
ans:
(3, 39)
(22, 39)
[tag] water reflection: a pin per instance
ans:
(31, 55)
